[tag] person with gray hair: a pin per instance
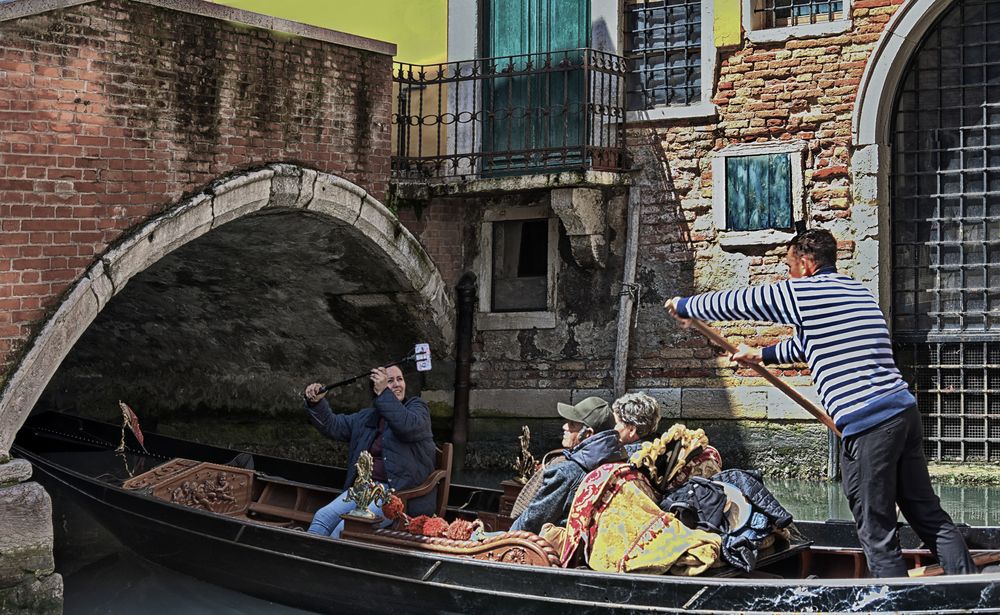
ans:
(636, 416)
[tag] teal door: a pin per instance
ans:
(534, 106)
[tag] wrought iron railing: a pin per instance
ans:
(512, 115)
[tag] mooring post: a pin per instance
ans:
(466, 291)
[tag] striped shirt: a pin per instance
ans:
(840, 333)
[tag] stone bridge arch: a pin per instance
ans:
(275, 188)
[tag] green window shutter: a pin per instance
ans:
(758, 192)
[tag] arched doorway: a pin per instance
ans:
(944, 230)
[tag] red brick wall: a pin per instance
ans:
(440, 229)
(112, 111)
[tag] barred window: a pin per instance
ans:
(788, 13)
(663, 48)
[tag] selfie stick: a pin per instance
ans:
(421, 355)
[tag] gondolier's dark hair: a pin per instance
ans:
(817, 243)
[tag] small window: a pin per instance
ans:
(520, 265)
(788, 13)
(664, 53)
(517, 263)
(781, 20)
(670, 54)
(758, 192)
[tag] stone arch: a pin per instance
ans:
(871, 138)
(276, 186)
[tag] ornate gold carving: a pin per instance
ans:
(525, 463)
(365, 491)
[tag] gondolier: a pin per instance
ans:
(842, 335)
(396, 430)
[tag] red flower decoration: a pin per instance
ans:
(435, 526)
(460, 529)
(416, 524)
(393, 509)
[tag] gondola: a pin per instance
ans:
(271, 557)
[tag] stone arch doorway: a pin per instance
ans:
(927, 128)
(267, 208)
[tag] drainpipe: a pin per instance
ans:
(466, 291)
(628, 293)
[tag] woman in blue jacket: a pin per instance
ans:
(396, 430)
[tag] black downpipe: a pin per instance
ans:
(466, 291)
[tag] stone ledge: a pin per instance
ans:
(14, 471)
(26, 539)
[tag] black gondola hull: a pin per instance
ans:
(295, 568)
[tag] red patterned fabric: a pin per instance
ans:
(594, 493)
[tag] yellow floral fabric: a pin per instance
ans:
(616, 517)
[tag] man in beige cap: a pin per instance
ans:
(590, 440)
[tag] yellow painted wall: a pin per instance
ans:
(728, 27)
(418, 27)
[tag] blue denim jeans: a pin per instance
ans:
(327, 521)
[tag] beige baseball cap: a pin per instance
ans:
(593, 412)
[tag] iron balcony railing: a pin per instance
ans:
(511, 115)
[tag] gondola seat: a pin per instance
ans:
(439, 478)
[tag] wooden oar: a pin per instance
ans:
(785, 388)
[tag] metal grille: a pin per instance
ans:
(785, 13)
(535, 112)
(946, 232)
(664, 53)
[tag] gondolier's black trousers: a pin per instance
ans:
(885, 466)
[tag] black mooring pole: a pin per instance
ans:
(466, 291)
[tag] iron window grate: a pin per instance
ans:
(786, 13)
(945, 214)
(663, 42)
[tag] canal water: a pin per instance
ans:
(101, 576)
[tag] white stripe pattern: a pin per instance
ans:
(840, 333)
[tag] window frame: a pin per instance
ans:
(796, 155)
(488, 320)
(705, 107)
(785, 33)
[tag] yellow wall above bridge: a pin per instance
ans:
(419, 28)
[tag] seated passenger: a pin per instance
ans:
(396, 430)
(633, 416)
(589, 440)
(615, 525)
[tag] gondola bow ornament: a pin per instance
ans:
(130, 420)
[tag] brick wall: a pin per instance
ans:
(111, 111)
(794, 90)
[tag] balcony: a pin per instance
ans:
(513, 116)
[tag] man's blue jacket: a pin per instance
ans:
(554, 498)
(407, 443)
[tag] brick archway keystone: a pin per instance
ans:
(275, 186)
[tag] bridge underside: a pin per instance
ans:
(237, 321)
